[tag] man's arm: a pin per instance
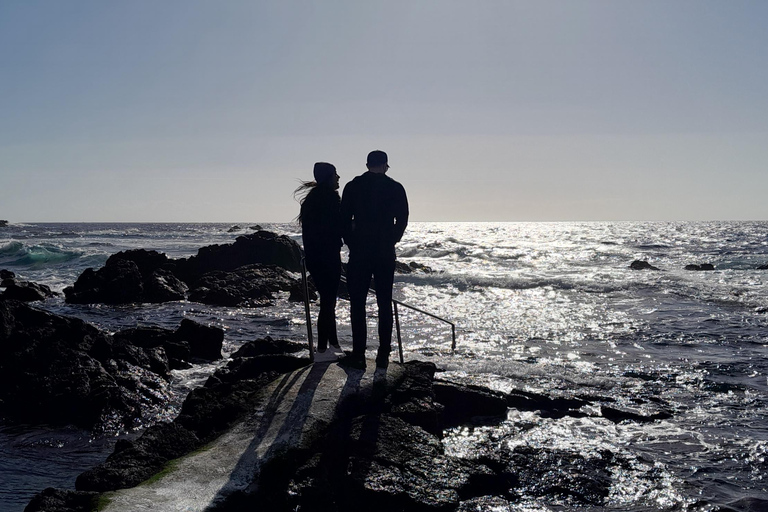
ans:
(401, 214)
(345, 214)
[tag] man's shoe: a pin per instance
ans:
(382, 360)
(335, 345)
(350, 361)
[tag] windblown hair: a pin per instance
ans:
(300, 194)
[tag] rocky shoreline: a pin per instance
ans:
(380, 446)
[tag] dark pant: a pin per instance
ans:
(326, 274)
(359, 273)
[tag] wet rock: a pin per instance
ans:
(135, 461)
(562, 476)
(120, 282)
(702, 267)
(244, 368)
(268, 345)
(233, 229)
(62, 370)
(6, 274)
(128, 277)
(146, 261)
(26, 291)
(255, 228)
(163, 286)
(177, 351)
(262, 247)
(140, 275)
(617, 415)
(491, 503)
(410, 268)
(204, 341)
(249, 286)
(397, 465)
(227, 397)
(414, 399)
(642, 265)
(763, 267)
(463, 404)
(58, 500)
(297, 291)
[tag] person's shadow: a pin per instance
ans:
(275, 464)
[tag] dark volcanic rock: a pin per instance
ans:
(702, 267)
(61, 370)
(58, 500)
(618, 415)
(163, 286)
(251, 285)
(177, 351)
(120, 282)
(463, 403)
(6, 274)
(206, 413)
(204, 341)
(262, 247)
(565, 476)
(414, 399)
(410, 268)
(268, 345)
(146, 261)
(127, 277)
(762, 267)
(135, 461)
(149, 276)
(25, 291)
(297, 290)
(642, 265)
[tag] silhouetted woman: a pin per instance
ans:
(321, 230)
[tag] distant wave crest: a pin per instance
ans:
(17, 254)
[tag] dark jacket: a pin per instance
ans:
(374, 214)
(321, 224)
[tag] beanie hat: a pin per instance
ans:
(324, 172)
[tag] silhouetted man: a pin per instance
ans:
(374, 214)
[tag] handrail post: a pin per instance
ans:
(310, 340)
(399, 339)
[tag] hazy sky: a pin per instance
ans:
(199, 110)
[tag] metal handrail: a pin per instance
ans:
(395, 303)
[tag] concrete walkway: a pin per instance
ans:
(290, 413)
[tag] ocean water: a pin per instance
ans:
(546, 307)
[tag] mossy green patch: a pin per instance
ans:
(102, 501)
(172, 465)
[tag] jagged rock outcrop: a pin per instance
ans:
(62, 370)
(25, 291)
(208, 411)
(642, 265)
(249, 285)
(326, 439)
(268, 346)
(412, 267)
(131, 276)
(701, 267)
(262, 247)
(246, 272)
(192, 341)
